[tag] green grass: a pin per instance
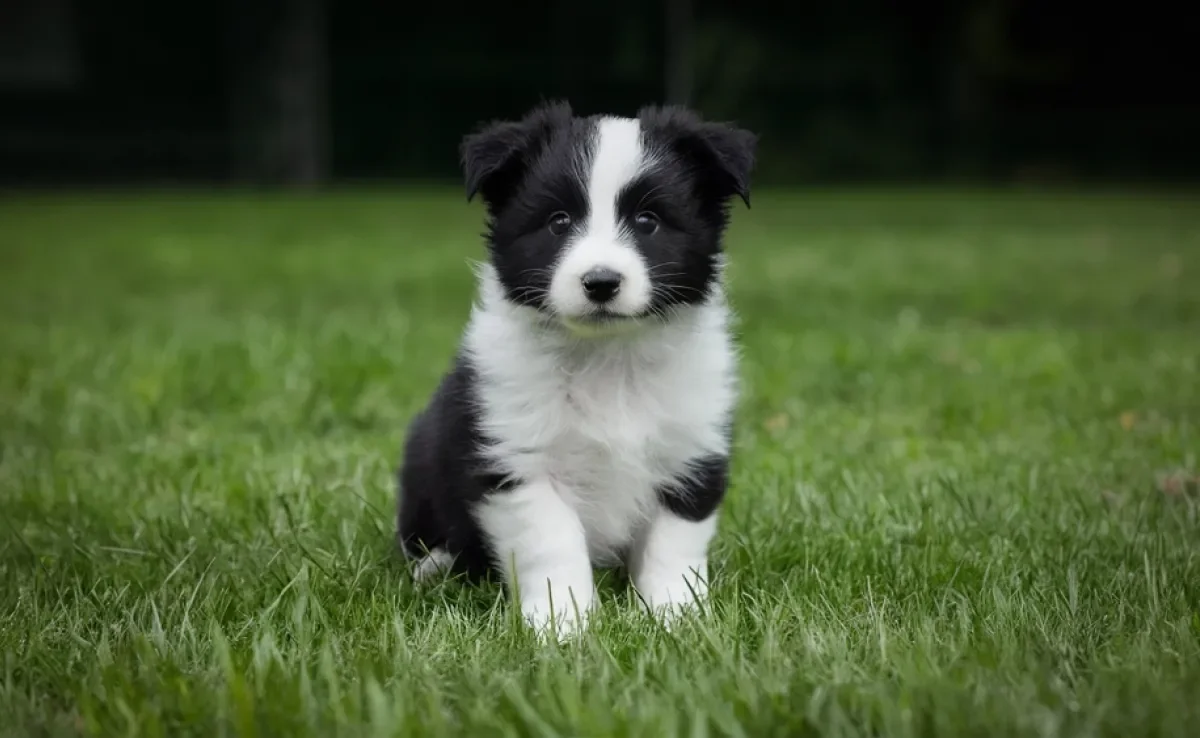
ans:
(960, 502)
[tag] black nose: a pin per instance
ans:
(601, 284)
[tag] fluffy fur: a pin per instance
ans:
(586, 419)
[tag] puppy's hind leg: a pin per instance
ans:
(417, 533)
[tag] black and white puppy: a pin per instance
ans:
(586, 420)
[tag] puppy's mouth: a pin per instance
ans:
(603, 316)
(600, 322)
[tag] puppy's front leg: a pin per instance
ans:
(669, 565)
(539, 544)
(669, 560)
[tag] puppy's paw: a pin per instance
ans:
(670, 599)
(557, 621)
(435, 564)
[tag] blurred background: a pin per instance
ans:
(310, 91)
(305, 92)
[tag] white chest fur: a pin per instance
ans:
(604, 421)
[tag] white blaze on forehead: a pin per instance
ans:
(618, 157)
(617, 160)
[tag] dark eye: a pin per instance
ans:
(559, 223)
(645, 223)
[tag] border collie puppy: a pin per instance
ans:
(586, 419)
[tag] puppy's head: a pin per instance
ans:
(603, 221)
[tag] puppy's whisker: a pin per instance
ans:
(663, 265)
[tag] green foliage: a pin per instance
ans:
(961, 502)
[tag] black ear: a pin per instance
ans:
(495, 156)
(723, 152)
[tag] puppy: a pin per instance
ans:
(586, 419)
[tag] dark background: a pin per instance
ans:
(302, 92)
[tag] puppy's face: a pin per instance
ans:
(603, 221)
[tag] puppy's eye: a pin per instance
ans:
(558, 223)
(645, 223)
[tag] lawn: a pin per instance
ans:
(964, 499)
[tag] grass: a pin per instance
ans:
(964, 499)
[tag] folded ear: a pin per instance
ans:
(496, 156)
(722, 153)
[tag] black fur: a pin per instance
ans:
(698, 496)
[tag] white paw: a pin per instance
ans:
(435, 564)
(560, 620)
(671, 599)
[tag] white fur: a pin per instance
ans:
(603, 242)
(595, 425)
